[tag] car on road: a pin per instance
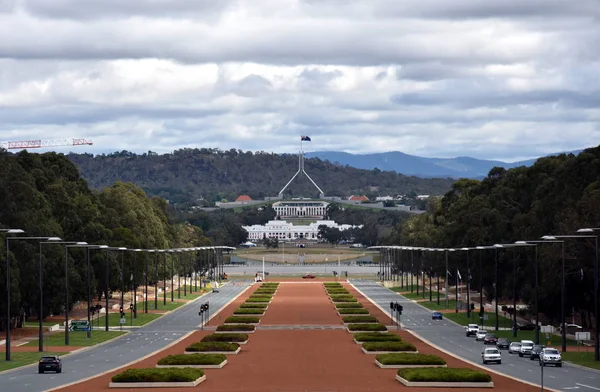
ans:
(536, 351)
(503, 343)
(550, 356)
(490, 338)
(480, 335)
(50, 364)
(437, 316)
(526, 347)
(491, 355)
(526, 327)
(308, 276)
(472, 329)
(514, 348)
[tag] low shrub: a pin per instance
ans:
(261, 296)
(242, 320)
(344, 299)
(334, 290)
(159, 375)
(338, 292)
(389, 346)
(248, 311)
(359, 319)
(225, 337)
(353, 311)
(376, 337)
(444, 375)
(409, 359)
(341, 296)
(212, 346)
(253, 306)
(263, 300)
(193, 359)
(345, 305)
(367, 327)
(266, 293)
(236, 327)
(332, 284)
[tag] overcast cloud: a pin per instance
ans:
(496, 79)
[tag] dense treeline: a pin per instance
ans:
(557, 195)
(187, 175)
(44, 195)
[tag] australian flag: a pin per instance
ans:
(305, 138)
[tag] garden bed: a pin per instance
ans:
(338, 300)
(408, 360)
(254, 312)
(202, 361)
(363, 337)
(239, 338)
(259, 300)
(388, 347)
(157, 378)
(346, 311)
(227, 328)
(213, 348)
(444, 378)
(242, 320)
(347, 320)
(351, 305)
(352, 328)
(254, 306)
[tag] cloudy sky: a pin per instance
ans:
(503, 79)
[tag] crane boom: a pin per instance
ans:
(24, 144)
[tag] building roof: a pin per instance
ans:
(244, 198)
(358, 198)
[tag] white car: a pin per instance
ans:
(514, 348)
(550, 356)
(472, 329)
(491, 355)
(526, 347)
(480, 334)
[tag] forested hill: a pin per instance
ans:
(187, 175)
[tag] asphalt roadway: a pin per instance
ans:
(128, 348)
(451, 337)
(300, 269)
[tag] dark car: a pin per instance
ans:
(50, 364)
(490, 339)
(526, 327)
(437, 316)
(535, 351)
(503, 343)
(308, 276)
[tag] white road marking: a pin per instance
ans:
(587, 386)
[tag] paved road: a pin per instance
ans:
(135, 345)
(451, 337)
(295, 269)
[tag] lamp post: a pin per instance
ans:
(446, 274)
(146, 299)
(468, 283)
(156, 278)
(134, 282)
(536, 266)
(8, 276)
(165, 279)
(89, 286)
(77, 245)
(106, 279)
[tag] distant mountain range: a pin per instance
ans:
(460, 167)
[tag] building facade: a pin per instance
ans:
(287, 231)
(303, 209)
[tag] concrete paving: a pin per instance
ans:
(451, 337)
(133, 346)
(301, 269)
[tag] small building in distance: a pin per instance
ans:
(358, 199)
(243, 199)
(300, 209)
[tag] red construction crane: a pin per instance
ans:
(25, 144)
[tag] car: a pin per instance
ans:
(514, 348)
(490, 338)
(550, 356)
(503, 343)
(526, 327)
(51, 363)
(472, 329)
(480, 335)
(526, 347)
(491, 355)
(536, 351)
(437, 316)
(308, 276)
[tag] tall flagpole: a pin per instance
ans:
(263, 274)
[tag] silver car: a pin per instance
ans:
(514, 348)
(480, 335)
(491, 355)
(550, 356)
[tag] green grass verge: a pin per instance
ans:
(236, 327)
(359, 319)
(21, 359)
(225, 337)
(367, 327)
(389, 346)
(77, 339)
(142, 319)
(258, 300)
(344, 300)
(462, 319)
(212, 346)
(341, 296)
(169, 306)
(555, 340)
(193, 359)
(409, 359)
(159, 375)
(353, 305)
(241, 311)
(581, 358)
(253, 306)
(444, 375)
(242, 320)
(376, 337)
(35, 324)
(434, 306)
(353, 311)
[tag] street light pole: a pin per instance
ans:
(134, 282)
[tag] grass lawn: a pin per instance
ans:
(142, 318)
(77, 339)
(169, 306)
(22, 359)
(581, 358)
(190, 292)
(555, 340)
(462, 319)
(434, 306)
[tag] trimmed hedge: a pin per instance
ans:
(242, 320)
(253, 306)
(359, 319)
(376, 337)
(236, 327)
(367, 327)
(248, 311)
(332, 284)
(159, 375)
(344, 299)
(444, 375)
(212, 346)
(353, 311)
(389, 346)
(336, 290)
(409, 359)
(193, 359)
(347, 296)
(263, 300)
(266, 293)
(353, 305)
(225, 337)
(267, 297)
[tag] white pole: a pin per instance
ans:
(339, 267)
(263, 274)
